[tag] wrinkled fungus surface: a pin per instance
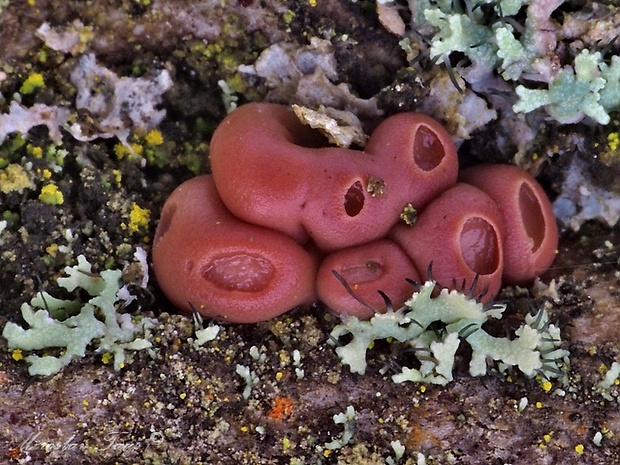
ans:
(286, 219)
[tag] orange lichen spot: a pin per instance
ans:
(421, 438)
(14, 453)
(282, 408)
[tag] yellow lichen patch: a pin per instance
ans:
(117, 177)
(286, 444)
(51, 195)
(154, 137)
(122, 151)
(14, 178)
(17, 355)
(547, 438)
(35, 151)
(613, 140)
(33, 82)
(579, 449)
(409, 215)
(139, 218)
(610, 153)
(288, 17)
(52, 250)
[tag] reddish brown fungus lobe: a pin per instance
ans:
(244, 244)
(205, 259)
(531, 228)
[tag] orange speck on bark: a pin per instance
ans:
(282, 408)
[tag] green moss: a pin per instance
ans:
(192, 157)
(10, 149)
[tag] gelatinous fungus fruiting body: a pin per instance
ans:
(379, 265)
(531, 228)
(286, 218)
(273, 171)
(460, 236)
(207, 260)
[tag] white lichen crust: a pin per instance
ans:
(535, 350)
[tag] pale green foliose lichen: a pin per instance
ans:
(573, 93)
(205, 335)
(347, 419)
(535, 350)
(611, 377)
(523, 44)
(74, 325)
(461, 33)
(250, 377)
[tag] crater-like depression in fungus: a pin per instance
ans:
(239, 272)
(479, 246)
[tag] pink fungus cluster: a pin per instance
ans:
(282, 210)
